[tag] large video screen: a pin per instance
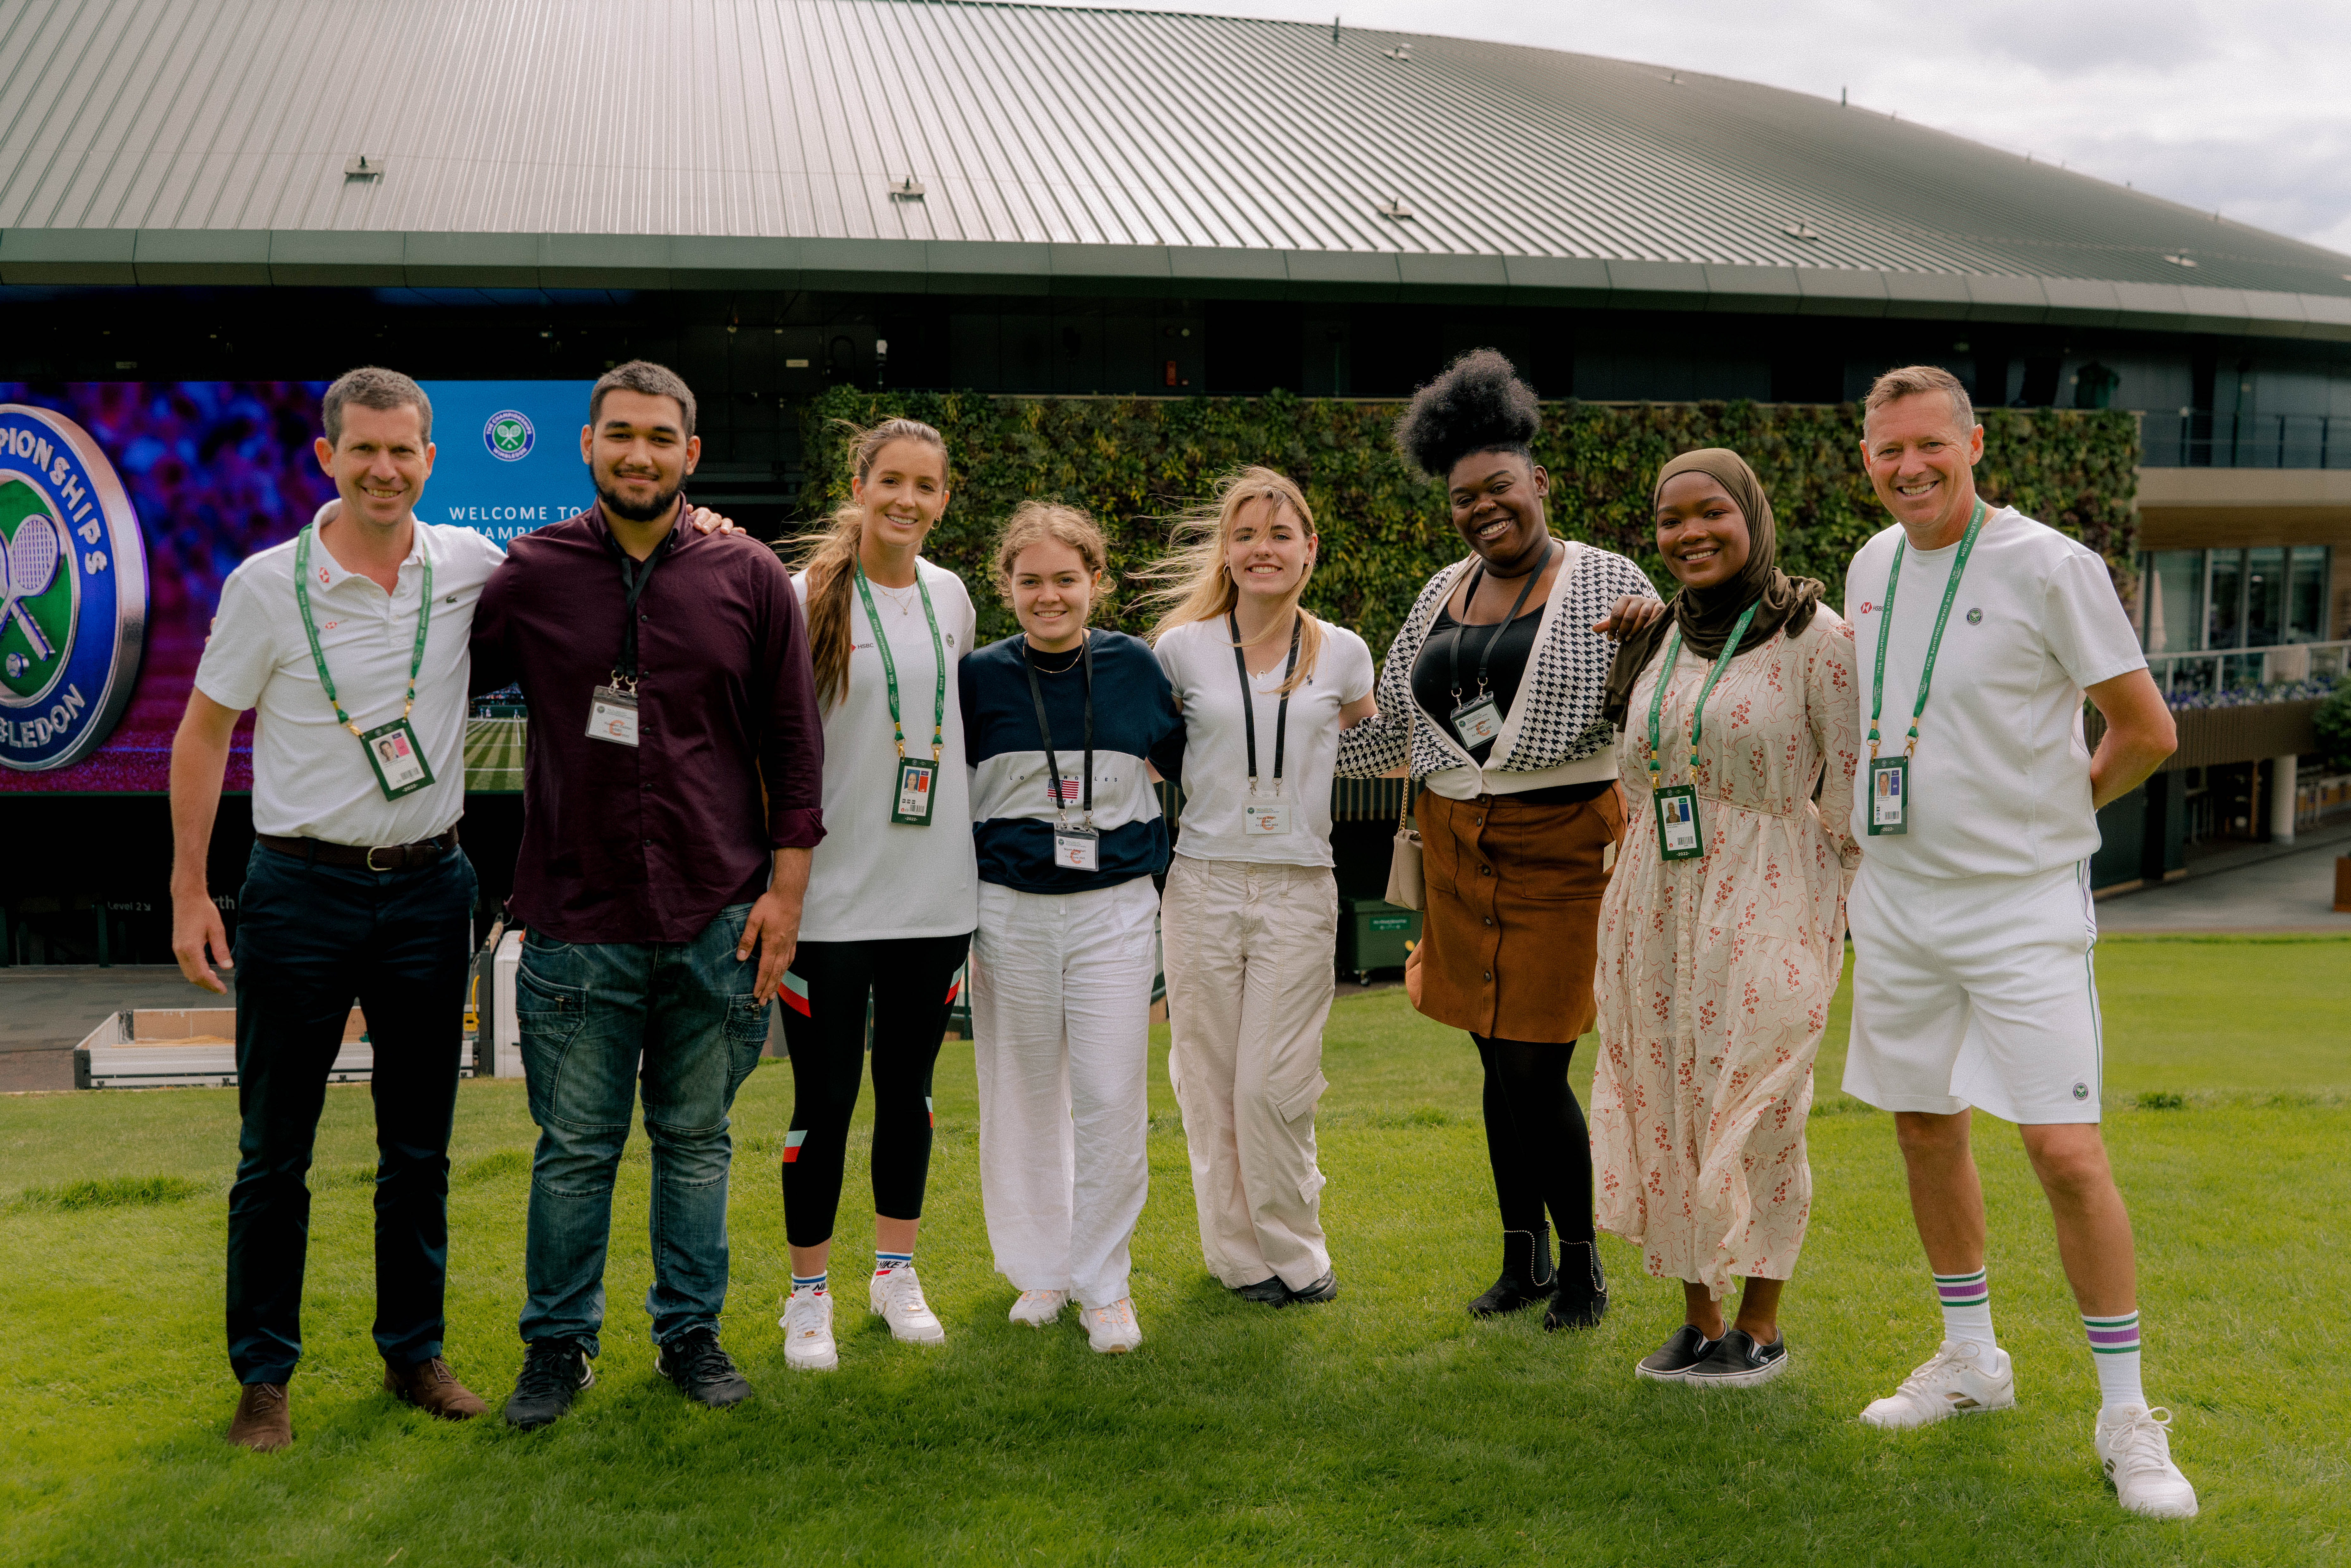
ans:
(208, 472)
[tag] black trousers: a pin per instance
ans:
(1536, 1138)
(907, 981)
(311, 940)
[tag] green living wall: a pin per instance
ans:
(1134, 463)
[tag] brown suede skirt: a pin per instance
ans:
(1511, 930)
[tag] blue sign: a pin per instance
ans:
(507, 455)
(73, 592)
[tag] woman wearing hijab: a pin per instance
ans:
(1722, 932)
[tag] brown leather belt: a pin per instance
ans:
(361, 857)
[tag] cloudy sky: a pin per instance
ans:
(2242, 108)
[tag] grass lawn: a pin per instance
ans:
(1385, 1426)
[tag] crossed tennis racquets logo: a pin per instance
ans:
(28, 565)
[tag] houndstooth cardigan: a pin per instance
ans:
(1555, 718)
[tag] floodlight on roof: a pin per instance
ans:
(1395, 207)
(1401, 52)
(907, 190)
(2180, 260)
(1800, 230)
(362, 166)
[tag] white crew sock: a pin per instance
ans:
(1967, 1308)
(2113, 1346)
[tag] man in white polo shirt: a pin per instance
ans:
(1981, 630)
(351, 640)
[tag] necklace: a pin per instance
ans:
(903, 599)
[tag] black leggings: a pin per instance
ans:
(1536, 1138)
(907, 981)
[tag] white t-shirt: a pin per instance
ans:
(310, 778)
(1198, 659)
(872, 879)
(2001, 784)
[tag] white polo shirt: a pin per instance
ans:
(310, 778)
(2001, 784)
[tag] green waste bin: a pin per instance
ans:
(1374, 935)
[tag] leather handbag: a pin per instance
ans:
(1405, 890)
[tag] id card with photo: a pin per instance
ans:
(1077, 849)
(917, 787)
(612, 716)
(1889, 795)
(1266, 819)
(1476, 721)
(397, 759)
(1678, 836)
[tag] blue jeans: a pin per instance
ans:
(310, 941)
(598, 1018)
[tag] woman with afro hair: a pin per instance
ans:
(1493, 693)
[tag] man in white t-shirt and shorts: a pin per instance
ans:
(1972, 923)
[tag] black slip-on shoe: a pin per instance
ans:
(1527, 1277)
(1738, 1362)
(1322, 1290)
(1269, 1291)
(554, 1370)
(1671, 1361)
(704, 1372)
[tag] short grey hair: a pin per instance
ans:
(646, 377)
(1909, 381)
(373, 386)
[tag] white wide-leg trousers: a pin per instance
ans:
(1249, 956)
(1061, 1016)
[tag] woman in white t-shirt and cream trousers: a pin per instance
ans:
(1250, 920)
(894, 890)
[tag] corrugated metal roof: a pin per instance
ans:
(176, 140)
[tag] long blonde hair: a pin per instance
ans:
(1034, 522)
(825, 555)
(1198, 572)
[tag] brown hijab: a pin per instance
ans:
(1707, 617)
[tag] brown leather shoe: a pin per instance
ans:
(433, 1388)
(263, 1423)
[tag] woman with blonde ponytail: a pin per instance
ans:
(1250, 915)
(892, 891)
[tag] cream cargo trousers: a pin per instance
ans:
(1060, 1023)
(1249, 953)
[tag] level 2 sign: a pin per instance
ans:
(507, 454)
(73, 592)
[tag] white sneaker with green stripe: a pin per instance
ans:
(1962, 1378)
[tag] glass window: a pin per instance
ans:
(2305, 596)
(2173, 600)
(2224, 626)
(2265, 597)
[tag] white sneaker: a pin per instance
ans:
(1112, 1328)
(807, 1323)
(2133, 1447)
(897, 1295)
(1963, 1378)
(1038, 1308)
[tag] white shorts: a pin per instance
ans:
(1975, 991)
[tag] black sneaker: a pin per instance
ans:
(554, 1370)
(1269, 1291)
(1672, 1360)
(1322, 1290)
(695, 1362)
(1582, 1299)
(1738, 1362)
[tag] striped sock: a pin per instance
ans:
(808, 1282)
(1967, 1307)
(2114, 1343)
(885, 1261)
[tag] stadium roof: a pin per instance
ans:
(761, 143)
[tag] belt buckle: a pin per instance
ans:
(374, 850)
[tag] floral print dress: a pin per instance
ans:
(1716, 974)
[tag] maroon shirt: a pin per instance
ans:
(647, 844)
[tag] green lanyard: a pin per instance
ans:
(1934, 643)
(890, 664)
(1698, 713)
(310, 628)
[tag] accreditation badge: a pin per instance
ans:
(1889, 795)
(1269, 819)
(1478, 720)
(1077, 849)
(397, 759)
(1679, 838)
(612, 716)
(917, 786)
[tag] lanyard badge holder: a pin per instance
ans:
(915, 787)
(1679, 836)
(612, 707)
(392, 750)
(1265, 817)
(1077, 848)
(1889, 776)
(1479, 719)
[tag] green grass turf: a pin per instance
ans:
(1385, 1426)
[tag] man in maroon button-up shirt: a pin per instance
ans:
(671, 797)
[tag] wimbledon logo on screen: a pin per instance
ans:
(73, 592)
